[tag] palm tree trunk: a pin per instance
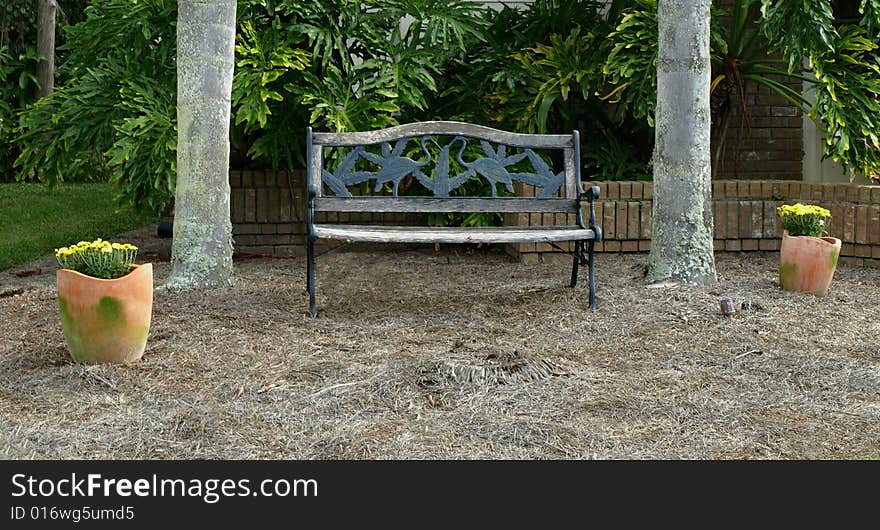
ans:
(201, 251)
(681, 238)
(46, 46)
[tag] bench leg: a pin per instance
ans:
(590, 245)
(310, 277)
(575, 264)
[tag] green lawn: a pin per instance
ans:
(35, 220)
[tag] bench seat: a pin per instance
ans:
(448, 167)
(451, 234)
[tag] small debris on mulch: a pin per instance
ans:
(28, 272)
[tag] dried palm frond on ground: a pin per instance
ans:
(461, 353)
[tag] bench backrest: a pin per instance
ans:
(441, 156)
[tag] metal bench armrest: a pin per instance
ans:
(591, 195)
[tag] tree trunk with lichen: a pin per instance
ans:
(201, 251)
(46, 46)
(681, 237)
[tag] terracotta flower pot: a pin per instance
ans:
(106, 321)
(807, 263)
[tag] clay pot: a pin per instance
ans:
(807, 263)
(106, 321)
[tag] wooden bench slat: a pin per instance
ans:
(447, 234)
(452, 204)
(450, 128)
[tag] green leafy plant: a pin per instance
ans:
(114, 118)
(98, 258)
(764, 42)
(804, 219)
(325, 63)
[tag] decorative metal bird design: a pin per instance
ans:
(440, 184)
(494, 167)
(544, 177)
(394, 166)
(345, 176)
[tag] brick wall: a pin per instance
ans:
(744, 213)
(771, 147)
(268, 214)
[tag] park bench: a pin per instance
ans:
(378, 172)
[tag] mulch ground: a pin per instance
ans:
(456, 354)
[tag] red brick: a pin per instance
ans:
(638, 190)
(250, 205)
(274, 206)
(862, 216)
(849, 223)
(786, 133)
(754, 190)
(863, 251)
(237, 205)
(768, 244)
(719, 216)
(745, 219)
(630, 246)
(285, 207)
(633, 228)
(608, 220)
(291, 228)
(613, 191)
(247, 179)
(838, 216)
(622, 221)
(647, 207)
(852, 193)
(781, 190)
(770, 219)
(262, 205)
(757, 221)
(730, 190)
(874, 225)
(732, 218)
